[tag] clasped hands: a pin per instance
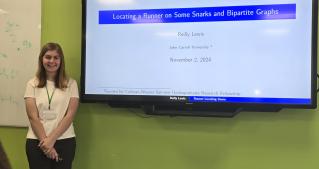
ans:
(46, 146)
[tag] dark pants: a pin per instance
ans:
(38, 160)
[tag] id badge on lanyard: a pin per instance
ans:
(49, 115)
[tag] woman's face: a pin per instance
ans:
(51, 61)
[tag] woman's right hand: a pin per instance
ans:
(52, 154)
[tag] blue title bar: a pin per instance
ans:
(202, 14)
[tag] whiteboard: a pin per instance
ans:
(20, 31)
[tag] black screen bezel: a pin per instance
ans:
(164, 100)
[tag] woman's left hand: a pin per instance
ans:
(46, 144)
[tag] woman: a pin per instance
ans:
(51, 100)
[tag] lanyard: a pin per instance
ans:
(49, 97)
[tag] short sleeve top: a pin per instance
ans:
(59, 105)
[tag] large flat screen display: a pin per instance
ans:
(234, 52)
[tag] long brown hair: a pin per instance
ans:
(61, 80)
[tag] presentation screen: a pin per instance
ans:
(258, 52)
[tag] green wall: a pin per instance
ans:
(128, 139)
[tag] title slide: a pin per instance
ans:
(204, 50)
